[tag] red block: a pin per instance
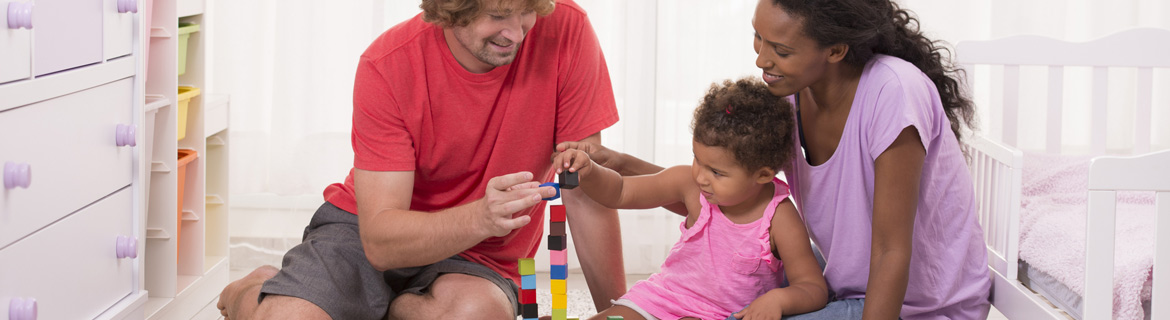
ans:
(527, 296)
(557, 213)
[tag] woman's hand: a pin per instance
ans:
(597, 153)
(766, 307)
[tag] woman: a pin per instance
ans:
(883, 185)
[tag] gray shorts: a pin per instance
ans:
(330, 270)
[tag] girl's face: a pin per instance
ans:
(722, 180)
(791, 61)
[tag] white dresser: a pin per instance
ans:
(98, 220)
(71, 207)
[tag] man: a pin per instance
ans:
(456, 112)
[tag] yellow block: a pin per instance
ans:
(558, 286)
(559, 301)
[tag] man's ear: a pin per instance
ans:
(765, 175)
(837, 52)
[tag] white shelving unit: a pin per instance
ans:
(186, 249)
(71, 111)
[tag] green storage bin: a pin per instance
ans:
(185, 30)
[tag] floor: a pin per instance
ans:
(580, 304)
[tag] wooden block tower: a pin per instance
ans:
(528, 304)
(558, 261)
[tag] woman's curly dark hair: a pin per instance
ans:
(872, 27)
(744, 117)
(459, 13)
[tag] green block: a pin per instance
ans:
(527, 266)
(614, 318)
(558, 314)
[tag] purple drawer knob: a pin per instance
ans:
(22, 309)
(125, 6)
(127, 247)
(124, 135)
(20, 15)
(17, 175)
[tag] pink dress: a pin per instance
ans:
(716, 268)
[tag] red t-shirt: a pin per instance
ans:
(416, 109)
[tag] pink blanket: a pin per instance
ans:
(1052, 230)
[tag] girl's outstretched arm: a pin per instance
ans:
(609, 188)
(806, 290)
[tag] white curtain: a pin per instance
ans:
(288, 66)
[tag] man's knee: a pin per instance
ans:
(459, 296)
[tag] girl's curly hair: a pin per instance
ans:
(459, 13)
(744, 117)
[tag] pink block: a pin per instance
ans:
(559, 257)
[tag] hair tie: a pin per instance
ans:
(728, 109)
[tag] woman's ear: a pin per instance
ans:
(837, 52)
(765, 175)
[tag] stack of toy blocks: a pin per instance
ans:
(559, 263)
(528, 304)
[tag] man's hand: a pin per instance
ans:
(765, 307)
(601, 155)
(506, 195)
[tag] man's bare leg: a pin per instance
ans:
(597, 239)
(454, 296)
(238, 301)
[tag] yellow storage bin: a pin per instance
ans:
(185, 30)
(185, 96)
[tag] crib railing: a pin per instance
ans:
(997, 171)
(1107, 175)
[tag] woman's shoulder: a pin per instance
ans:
(882, 71)
(891, 77)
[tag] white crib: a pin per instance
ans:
(996, 163)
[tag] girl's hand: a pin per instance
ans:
(597, 153)
(573, 160)
(764, 307)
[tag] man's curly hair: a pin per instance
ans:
(744, 117)
(459, 13)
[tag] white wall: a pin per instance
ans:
(289, 68)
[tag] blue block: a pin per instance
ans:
(559, 272)
(555, 186)
(528, 282)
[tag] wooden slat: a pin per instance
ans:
(997, 203)
(1055, 108)
(1142, 115)
(1161, 281)
(1099, 241)
(1100, 106)
(1011, 102)
(1013, 211)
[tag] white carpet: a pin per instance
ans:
(580, 304)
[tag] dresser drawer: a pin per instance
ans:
(68, 34)
(69, 145)
(15, 43)
(71, 267)
(119, 29)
